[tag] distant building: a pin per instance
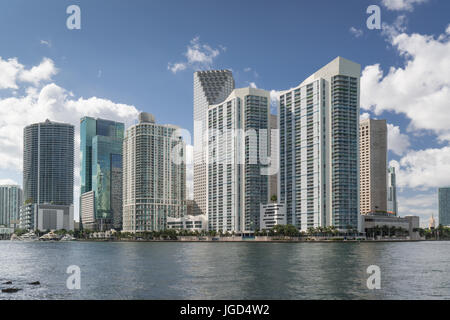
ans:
(432, 222)
(392, 206)
(11, 199)
(154, 182)
(190, 207)
(409, 223)
(87, 209)
(372, 166)
(210, 87)
(319, 152)
(101, 170)
(190, 223)
(272, 214)
(444, 206)
(237, 181)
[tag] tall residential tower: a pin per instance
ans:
(210, 88)
(11, 198)
(154, 175)
(319, 154)
(373, 166)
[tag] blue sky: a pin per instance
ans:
(124, 49)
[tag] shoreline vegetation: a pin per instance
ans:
(280, 234)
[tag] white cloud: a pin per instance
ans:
(253, 85)
(198, 56)
(11, 72)
(356, 32)
(407, 5)
(364, 116)
(248, 69)
(274, 98)
(397, 141)
(420, 90)
(50, 102)
(424, 169)
(422, 205)
(8, 182)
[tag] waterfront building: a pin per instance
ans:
(11, 199)
(392, 206)
(319, 152)
(190, 223)
(373, 166)
(272, 214)
(383, 219)
(444, 206)
(210, 87)
(101, 172)
(154, 180)
(87, 209)
(48, 175)
(48, 163)
(238, 144)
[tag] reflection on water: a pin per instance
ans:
(110, 270)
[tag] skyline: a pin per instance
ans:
(31, 85)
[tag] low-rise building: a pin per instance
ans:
(190, 223)
(374, 220)
(272, 214)
(46, 217)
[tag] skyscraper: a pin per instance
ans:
(210, 88)
(154, 180)
(101, 172)
(48, 163)
(237, 160)
(274, 141)
(319, 156)
(392, 206)
(373, 166)
(444, 206)
(11, 198)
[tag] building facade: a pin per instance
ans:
(48, 163)
(392, 206)
(272, 214)
(319, 152)
(274, 156)
(11, 199)
(210, 88)
(154, 180)
(238, 144)
(101, 170)
(444, 206)
(373, 166)
(189, 223)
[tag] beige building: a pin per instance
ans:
(373, 166)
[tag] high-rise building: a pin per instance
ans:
(444, 206)
(392, 206)
(11, 198)
(319, 156)
(238, 160)
(101, 172)
(210, 88)
(274, 152)
(48, 175)
(372, 166)
(154, 175)
(48, 163)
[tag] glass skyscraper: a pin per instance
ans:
(10, 202)
(444, 206)
(319, 151)
(48, 163)
(101, 171)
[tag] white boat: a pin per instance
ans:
(68, 237)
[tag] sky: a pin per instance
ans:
(132, 56)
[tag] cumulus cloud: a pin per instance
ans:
(364, 116)
(422, 205)
(8, 182)
(397, 141)
(12, 72)
(198, 56)
(424, 169)
(253, 85)
(420, 89)
(399, 5)
(49, 101)
(356, 32)
(46, 43)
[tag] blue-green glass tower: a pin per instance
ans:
(101, 172)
